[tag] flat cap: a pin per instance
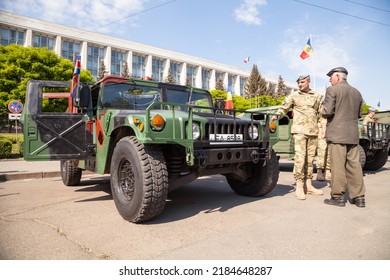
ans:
(337, 70)
(302, 77)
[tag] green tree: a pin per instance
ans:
(281, 89)
(219, 85)
(18, 65)
(169, 79)
(240, 103)
(126, 72)
(271, 88)
(188, 82)
(252, 82)
(218, 94)
(102, 72)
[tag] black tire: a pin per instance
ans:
(377, 160)
(362, 158)
(262, 181)
(139, 180)
(70, 172)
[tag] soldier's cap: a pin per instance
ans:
(337, 70)
(302, 77)
(371, 109)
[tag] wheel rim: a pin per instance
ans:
(126, 180)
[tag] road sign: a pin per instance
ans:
(14, 116)
(15, 106)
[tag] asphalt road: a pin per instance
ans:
(205, 220)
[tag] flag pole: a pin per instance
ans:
(312, 65)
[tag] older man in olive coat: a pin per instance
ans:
(342, 109)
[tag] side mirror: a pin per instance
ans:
(85, 97)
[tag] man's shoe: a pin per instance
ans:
(359, 202)
(335, 201)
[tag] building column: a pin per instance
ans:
(183, 73)
(107, 59)
(212, 80)
(236, 85)
(166, 68)
(57, 45)
(29, 39)
(198, 79)
(84, 55)
(129, 62)
(148, 66)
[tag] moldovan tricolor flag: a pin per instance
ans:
(307, 50)
(229, 100)
(246, 60)
(76, 77)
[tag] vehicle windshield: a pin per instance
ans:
(126, 96)
(190, 98)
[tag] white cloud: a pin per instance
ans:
(97, 16)
(248, 12)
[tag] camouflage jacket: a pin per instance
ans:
(307, 108)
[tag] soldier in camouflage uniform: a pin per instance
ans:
(307, 107)
(323, 155)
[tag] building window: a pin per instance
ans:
(242, 86)
(176, 70)
(231, 83)
(139, 63)
(158, 69)
(42, 41)
(118, 60)
(94, 60)
(206, 75)
(10, 36)
(70, 50)
(191, 75)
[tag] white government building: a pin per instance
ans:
(142, 60)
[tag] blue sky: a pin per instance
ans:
(350, 33)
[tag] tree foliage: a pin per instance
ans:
(102, 72)
(219, 85)
(19, 64)
(126, 72)
(169, 79)
(252, 82)
(282, 89)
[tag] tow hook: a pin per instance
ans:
(202, 160)
(255, 156)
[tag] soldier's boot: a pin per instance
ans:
(312, 190)
(320, 174)
(299, 191)
(328, 174)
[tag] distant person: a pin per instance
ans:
(342, 108)
(370, 116)
(323, 155)
(306, 104)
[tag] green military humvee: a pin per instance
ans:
(150, 137)
(373, 138)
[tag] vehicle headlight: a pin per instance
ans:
(272, 127)
(157, 122)
(195, 131)
(253, 132)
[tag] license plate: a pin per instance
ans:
(226, 137)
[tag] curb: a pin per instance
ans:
(29, 175)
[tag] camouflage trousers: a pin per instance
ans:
(323, 155)
(305, 149)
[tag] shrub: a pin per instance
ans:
(5, 148)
